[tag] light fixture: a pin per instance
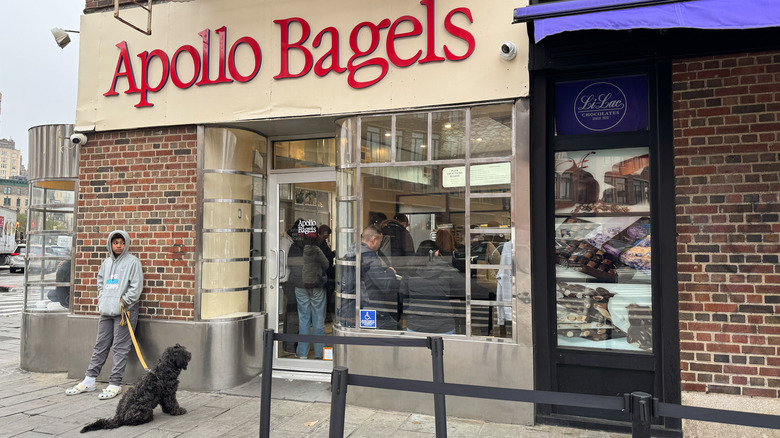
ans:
(479, 139)
(387, 134)
(61, 36)
(448, 125)
(423, 146)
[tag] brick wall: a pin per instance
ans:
(727, 142)
(144, 182)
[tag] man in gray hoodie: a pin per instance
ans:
(120, 281)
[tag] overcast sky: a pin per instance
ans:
(38, 80)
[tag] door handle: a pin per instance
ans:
(276, 274)
(284, 258)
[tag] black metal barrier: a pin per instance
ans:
(434, 343)
(642, 407)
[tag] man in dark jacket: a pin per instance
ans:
(397, 237)
(378, 283)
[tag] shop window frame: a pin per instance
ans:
(511, 157)
(664, 361)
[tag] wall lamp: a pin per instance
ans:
(61, 36)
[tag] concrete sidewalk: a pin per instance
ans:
(35, 405)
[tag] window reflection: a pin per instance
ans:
(603, 249)
(446, 229)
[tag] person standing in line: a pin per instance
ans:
(323, 234)
(311, 297)
(397, 239)
(120, 282)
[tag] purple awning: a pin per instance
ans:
(696, 14)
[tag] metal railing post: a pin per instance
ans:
(338, 401)
(265, 388)
(439, 406)
(641, 404)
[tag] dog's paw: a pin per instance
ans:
(179, 411)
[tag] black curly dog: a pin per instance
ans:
(156, 387)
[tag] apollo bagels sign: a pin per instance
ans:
(197, 72)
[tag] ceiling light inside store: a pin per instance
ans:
(423, 146)
(387, 134)
(448, 125)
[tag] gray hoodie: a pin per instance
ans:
(119, 277)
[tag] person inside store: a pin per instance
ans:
(426, 292)
(61, 294)
(120, 281)
(323, 234)
(445, 242)
(398, 244)
(290, 319)
(397, 240)
(310, 294)
(375, 219)
(427, 248)
(379, 283)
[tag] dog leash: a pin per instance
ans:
(126, 317)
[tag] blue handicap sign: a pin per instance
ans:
(368, 319)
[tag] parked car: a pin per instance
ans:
(58, 250)
(21, 252)
(16, 263)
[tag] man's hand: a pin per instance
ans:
(122, 304)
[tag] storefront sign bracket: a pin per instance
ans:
(147, 8)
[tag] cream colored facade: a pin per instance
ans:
(291, 70)
(482, 76)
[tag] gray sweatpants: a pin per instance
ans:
(110, 332)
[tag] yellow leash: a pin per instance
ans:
(126, 317)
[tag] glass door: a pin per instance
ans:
(301, 272)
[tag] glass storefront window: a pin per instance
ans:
(491, 131)
(233, 218)
(48, 251)
(411, 137)
(603, 248)
(434, 263)
(375, 139)
(449, 134)
(292, 154)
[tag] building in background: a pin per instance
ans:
(10, 159)
(14, 194)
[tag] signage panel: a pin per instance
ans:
(368, 319)
(616, 104)
(481, 175)
(238, 60)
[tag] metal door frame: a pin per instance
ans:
(275, 179)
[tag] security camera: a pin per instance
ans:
(508, 50)
(78, 139)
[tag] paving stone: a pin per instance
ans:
(316, 412)
(190, 420)
(229, 401)
(286, 408)
(247, 429)
(357, 414)
(22, 407)
(55, 426)
(381, 424)
(32, 435)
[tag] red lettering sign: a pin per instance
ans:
(363, 70)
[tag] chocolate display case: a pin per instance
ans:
(603, 250)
